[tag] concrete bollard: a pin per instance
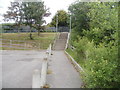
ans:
(50, 50)
(43, 73)
(36, 79)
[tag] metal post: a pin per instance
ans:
(39, 46)
(57, 23)
(70, 30)
(70, 23)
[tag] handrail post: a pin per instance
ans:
(25, 45)
(67, 41)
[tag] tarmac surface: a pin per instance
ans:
(18, 67)
(62, 73)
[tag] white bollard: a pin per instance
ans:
(50, 50)
(43, 73)
(36, 79)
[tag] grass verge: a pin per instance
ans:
(79, 59)
(39, 42)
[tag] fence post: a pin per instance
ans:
(39, 45)
(25, 45)
(10, 43)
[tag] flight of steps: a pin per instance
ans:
(61, 41)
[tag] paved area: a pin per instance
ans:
(18, 67)
(0, 69)
(61, 41)
(63, 74)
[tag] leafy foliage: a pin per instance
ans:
(28, 13)
(62, 18)
(95, 38)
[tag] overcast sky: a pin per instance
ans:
(54, 5)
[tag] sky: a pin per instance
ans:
(54, 5)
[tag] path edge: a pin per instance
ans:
(75, 64)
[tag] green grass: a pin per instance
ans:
(7, 48)
(1, 48)
(71, 52)
(42, 41)
(25, 36)
(79, 59)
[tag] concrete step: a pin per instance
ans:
(61, 41)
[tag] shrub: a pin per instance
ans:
(102, 66)
(100, 63)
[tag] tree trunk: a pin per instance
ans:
(39, 32)
(31, 38)
(18, 30)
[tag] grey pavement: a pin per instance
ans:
(63, 74)
(18, 67)
(0, 69)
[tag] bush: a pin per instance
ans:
(95, 37)
(100, 63)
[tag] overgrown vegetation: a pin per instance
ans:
(95, 38)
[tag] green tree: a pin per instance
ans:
(33, 14)
(40, 12)
(14, 13)
(62, 18)
(28, 13)
(96, 42)
(97, 21)
(103, 21)
(80, 20)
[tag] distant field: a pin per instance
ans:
(39, 42)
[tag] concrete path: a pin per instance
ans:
(0, 69)
(61, 41)
(63, 74)
(18, 67)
